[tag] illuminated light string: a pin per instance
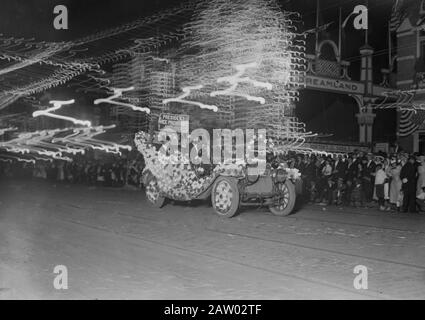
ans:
(74, 68)
(84, 137)
(45, 143)
(117, 93)
(187, 91)
(236, 79)
(41, 58)
(3, 130)
(39, 141)
(160, 59)
(56, 106)
(59, 77)
(261, 40)
(19, 159)
(93, 83)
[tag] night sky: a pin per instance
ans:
(323, 112)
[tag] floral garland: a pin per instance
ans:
(176, 178)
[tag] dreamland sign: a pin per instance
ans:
(336, 85)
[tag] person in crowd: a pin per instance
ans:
(326, 171)
(309, 175)
(380, 181)
(368, 177)
(351, 170)
(408, 178)
(87, 172)
(328, 192)
(108, 175)
(386, 168)
(339, 167)
(100, 175)
(60, 172)
(340, 192)
(420, 200)
(356, 196)
(396, 184)
(313, 192)
(421, 174)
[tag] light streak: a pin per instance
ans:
(117, 94)
(44, 143)
(56, 106)
(3, 130)
(236, 79)
(187, 91)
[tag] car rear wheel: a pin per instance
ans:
(225, 197)
(287, 199)
(153, 193)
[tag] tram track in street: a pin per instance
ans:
(173, 217)
(294, 217)
(309, 280)
(297, 245)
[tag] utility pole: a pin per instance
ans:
(340, 34)
(367, 29)
(317, 27)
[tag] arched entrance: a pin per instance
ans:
(326, 72)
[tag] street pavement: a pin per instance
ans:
(115, 246)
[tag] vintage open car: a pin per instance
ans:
(229, 185)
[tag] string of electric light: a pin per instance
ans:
(230, 35)
(51, 144)
(80, 66)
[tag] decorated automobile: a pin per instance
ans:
(228, 185)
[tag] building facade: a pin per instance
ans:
(409, 68)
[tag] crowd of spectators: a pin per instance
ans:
(111, 172)
(392, 181)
